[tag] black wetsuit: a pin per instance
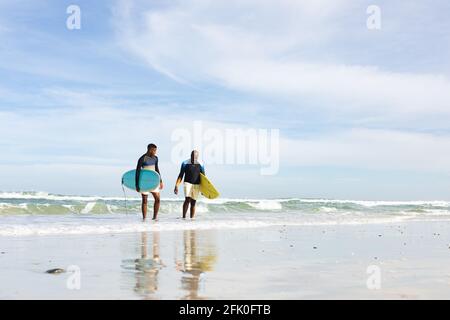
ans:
(191, 172)
(144, 162)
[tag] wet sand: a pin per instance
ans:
(304, 262)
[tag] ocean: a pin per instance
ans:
(40, 213)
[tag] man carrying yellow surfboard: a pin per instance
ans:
(191, 170)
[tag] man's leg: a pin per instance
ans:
(185, 207)
(192, 208)
(144, 206)
(156, 204)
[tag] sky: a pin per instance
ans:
(361, 113)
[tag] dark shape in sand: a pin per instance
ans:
(55, 271)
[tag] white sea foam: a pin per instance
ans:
(95, 228)
(47, 196)
(367, 203)
(372, 203)
(45, 228)
(11, 205)
(88, 208)
(328, 209)
(266, 205)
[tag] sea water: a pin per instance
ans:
(40, 213)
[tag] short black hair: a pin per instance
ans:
(151, 145)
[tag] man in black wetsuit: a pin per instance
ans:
(191, 170)
(149, 161)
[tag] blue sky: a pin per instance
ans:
(362, 114)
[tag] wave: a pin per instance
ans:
(40, 213)
(369, 203)
(42, 203)
(32, 195)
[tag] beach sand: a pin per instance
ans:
(283, 262)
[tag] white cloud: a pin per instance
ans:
(253, 46)
(372, 149)
(88, 134)
(185, 38)
(256, 47)
(342, 87)
(84, 149)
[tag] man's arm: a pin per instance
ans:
(138, 172)
(202, 169)
(157, 169)
(161, 185)
(180, 178)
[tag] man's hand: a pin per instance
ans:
(138, 189)
(175, 190)
(161, 185)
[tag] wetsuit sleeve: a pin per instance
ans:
(182, 170)
(202, 169)
(157, 169)
(138, 169)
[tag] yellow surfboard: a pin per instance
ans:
(207, 188)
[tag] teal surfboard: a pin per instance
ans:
(148, 180)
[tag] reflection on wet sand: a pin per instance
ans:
(146, 268)
(196, 258)
(196, 261)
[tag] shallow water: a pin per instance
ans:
(32, 213)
